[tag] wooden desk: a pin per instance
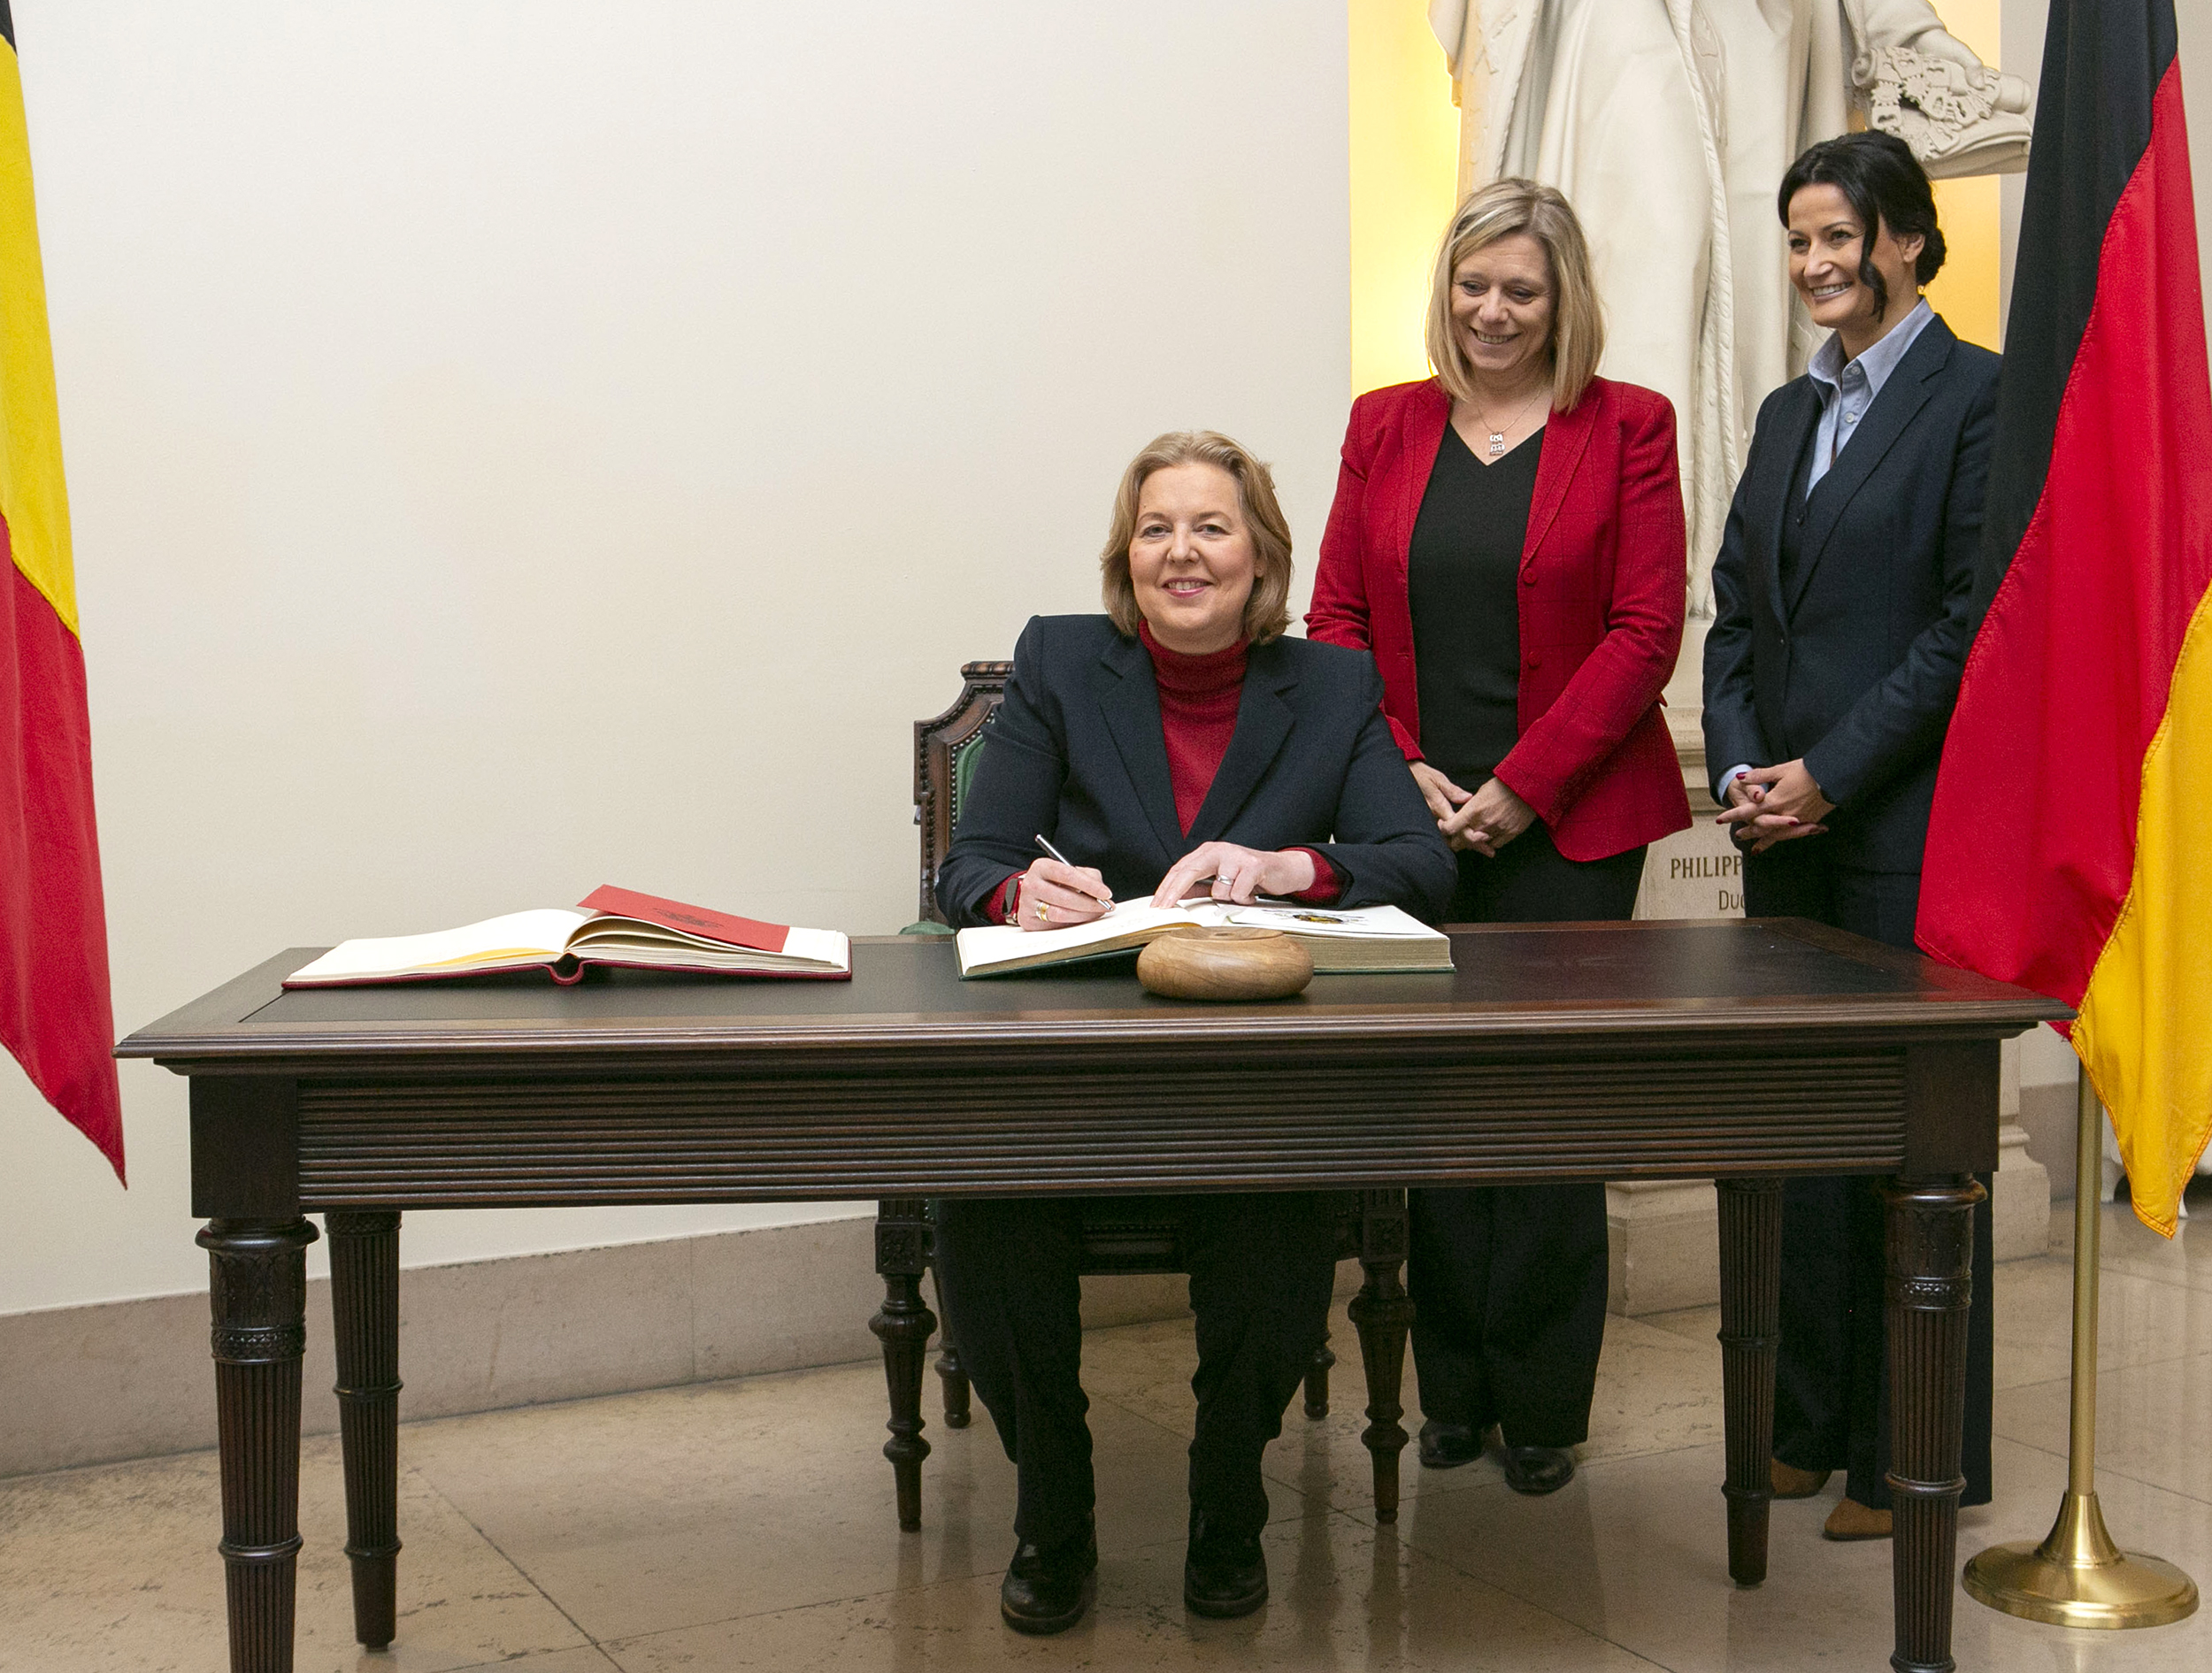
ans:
(1612, 1051)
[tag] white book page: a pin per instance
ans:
(996, 943)
(1357, 923)
(617, 937)
(518, 937)
(824, 947)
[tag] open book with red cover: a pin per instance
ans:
(611, 927)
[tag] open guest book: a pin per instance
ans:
(1343, 940)
(613, 927)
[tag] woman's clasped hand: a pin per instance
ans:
(1767, 805)
(1483, 820)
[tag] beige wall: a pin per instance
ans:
(522, 444)
(515, 446)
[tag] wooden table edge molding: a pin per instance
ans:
(1579, 1051)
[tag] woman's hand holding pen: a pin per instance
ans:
(1055, 896)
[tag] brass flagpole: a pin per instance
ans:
(2077, 1576)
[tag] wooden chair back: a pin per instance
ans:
(947, 747)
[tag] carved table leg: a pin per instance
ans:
(1317, 1379)
(257, 1289)
(1931, 1256)
(365, 1309)
(1383, 1313)
(905, 1326)
(952, 1376)
(1750, 1333)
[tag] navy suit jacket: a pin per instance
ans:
(1856, 669)
(1075, 753)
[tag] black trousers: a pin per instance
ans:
(1832, 1378)
(1261, 1269)
(1508, 1281)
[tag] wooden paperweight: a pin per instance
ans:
(1231, 961)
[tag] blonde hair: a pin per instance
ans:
(1578, 321)
(1267, 611)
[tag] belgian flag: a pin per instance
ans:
(2070, 846)
(54, 1009)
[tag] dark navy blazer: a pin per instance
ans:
(1076, 753)
(1856, 669)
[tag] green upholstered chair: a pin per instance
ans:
(1120, 1234)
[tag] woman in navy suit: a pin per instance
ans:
(1179, 741)
(1843, 593)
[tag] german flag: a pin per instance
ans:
(54, 1009)
(2070, 846)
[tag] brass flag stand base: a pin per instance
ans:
(2077, 1576)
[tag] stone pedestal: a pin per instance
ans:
(2020, 1198)
(1665, 1235)
(1662, 1240)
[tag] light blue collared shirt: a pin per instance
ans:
(1847, 389)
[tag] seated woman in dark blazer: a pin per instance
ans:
(1843, 610)
(1178, 743)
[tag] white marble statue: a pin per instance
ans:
(1668, 124)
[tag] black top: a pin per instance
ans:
(1461, 575)
(1076, 753)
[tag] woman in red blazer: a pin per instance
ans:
(1508, 540)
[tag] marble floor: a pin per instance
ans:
(748, 1524)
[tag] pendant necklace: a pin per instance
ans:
(1497, 437)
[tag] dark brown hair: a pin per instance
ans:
(1885, 186)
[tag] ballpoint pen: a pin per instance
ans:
(1054, 854)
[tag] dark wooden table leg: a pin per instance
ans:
(903, 1326)
(1383, 1313)
(1317, 1379)
(1750, 1333)
(1931, 1251)
(258, 1291)
(364, 1310)
(952, 1376)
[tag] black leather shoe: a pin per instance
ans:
(1539, 1469)
(1448, 1446)
(1046, 1589)
(1224, 1575)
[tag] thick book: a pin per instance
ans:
(611, 927)
(1364, 939)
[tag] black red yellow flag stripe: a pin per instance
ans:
(54, 1014)
(2069, 849)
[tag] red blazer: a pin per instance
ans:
(1604, 574)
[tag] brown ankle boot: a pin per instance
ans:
(1851, 1520)
(1790, 1481)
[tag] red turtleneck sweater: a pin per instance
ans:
(1198, 716)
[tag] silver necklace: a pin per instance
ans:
(1497, 437)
